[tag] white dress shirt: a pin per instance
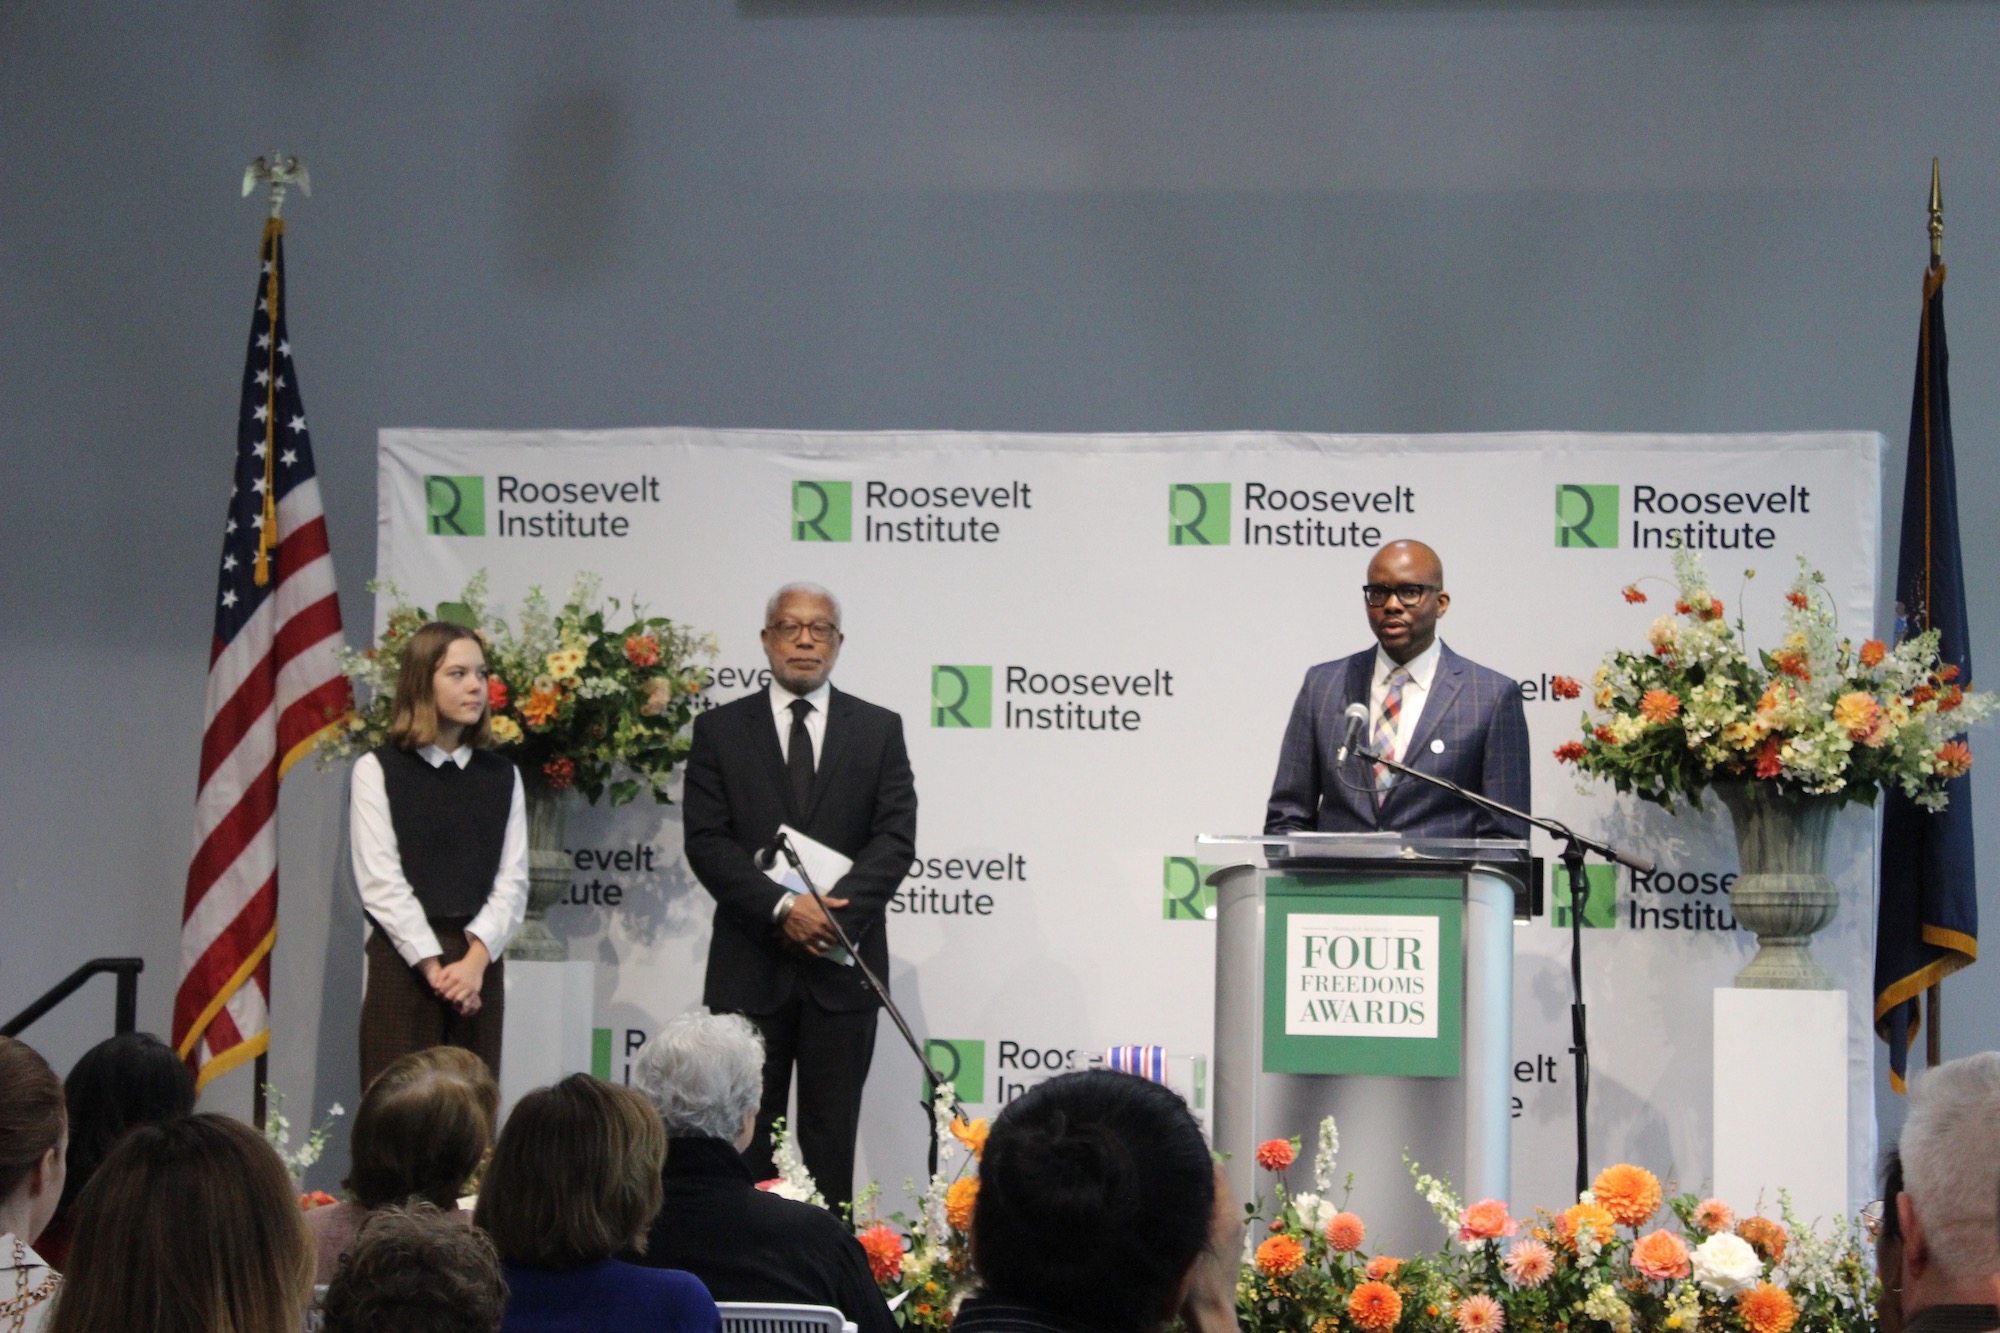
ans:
(781, 713)
(385, 892)
(1416, 690)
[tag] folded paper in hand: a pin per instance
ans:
(825, 865)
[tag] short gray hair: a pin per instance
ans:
(704, 1073)
(805, 590)
(1951, 1163)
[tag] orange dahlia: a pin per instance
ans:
(1872, 652)
(1713, 1215)
(642, 650)
(1592, 1215)
(1767, 1308)
(1631, 1194)
(1661, 1256)
(1280, 1256)
(1383, 1267)
(1276, 1154)
(1376, 1307)
(1658, 706)
(885, 1251)
(1954, 759)
(1766, 1236)
(959, 1199)
(1345, 1232)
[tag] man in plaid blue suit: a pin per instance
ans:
(1427, 707)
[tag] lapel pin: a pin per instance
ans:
(1437, 747)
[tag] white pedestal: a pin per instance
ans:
(547, 1032)
(1781, 1101)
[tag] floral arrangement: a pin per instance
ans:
(1625, 1258)
(575, 694)
(278, 1133)
(1818, 715)
(1622, 1258)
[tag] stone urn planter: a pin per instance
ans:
(1783, 892)
(548, 875)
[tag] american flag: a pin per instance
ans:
(274, 686)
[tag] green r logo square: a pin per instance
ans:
(963, 1061)
(1600, 912)
(1587, 516)
(822, 511)
(961, 696)
(1198, 513)
(1187, 895)
(455, 506)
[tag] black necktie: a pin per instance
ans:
(799, 758)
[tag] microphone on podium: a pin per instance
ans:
(1357, 722)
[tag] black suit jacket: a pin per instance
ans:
(749, 1245)
(864, 806)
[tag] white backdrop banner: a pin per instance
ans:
(1094, 642)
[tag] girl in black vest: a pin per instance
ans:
(441, 856)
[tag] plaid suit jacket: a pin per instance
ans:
(1473, 731)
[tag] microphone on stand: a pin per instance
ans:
(1357, 722)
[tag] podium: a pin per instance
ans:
(1370, 977)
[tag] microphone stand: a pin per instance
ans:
(791, 854)
(1575, 845)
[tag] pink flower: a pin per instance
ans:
(1486, 1220)
(1713, 1215)
(1530, 1263)
(1661, 1256)
(1480, 1314)
(1345, 1232)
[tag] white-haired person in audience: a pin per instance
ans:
(705, 1074)
(1949, 1207)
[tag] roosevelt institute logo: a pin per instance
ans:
(1187, 895)
(1601, 912)
(963, 1061)
(1586, 516)
(822, 511)
(961, 696)
(455, 506)
(1198, 513)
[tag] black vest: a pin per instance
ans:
(450, 826)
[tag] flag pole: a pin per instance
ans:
(279, 173)
(1934, 994)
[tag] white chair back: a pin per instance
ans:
(758, 1317)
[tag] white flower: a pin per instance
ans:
(1662, 632)
(1314, 1212)
(1725, 1263)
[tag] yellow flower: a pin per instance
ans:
(565, 662)
(1856, 714)
(506, 731)
(958, 1201)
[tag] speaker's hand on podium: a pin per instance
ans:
(808, 927)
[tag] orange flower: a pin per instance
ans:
(1713, 1215)
(315, 1199)
(1769, 762)
(1659, 706)
(971, 1133)
(1480, 1314)
(1682, 606)
(1947, 673)
(1276, 1154)
(1766, 1236)
(1631, 1194)
(958, 1201)
(1951, 698)
(1954, 759)
(1280, 1256)
(1714, 610)
(1486, 1220)
(1570, 751)
(1856, 713)
(1872, 652)
(1796, 598)
(1383, 1267)
(1792, 664)
(1662, 1256)
(542, 702)
(1345, 1232)
(1565, 687)
(1375, 1306)
(884, 1248)
(1632, 594)
(1605, 736)
(1593, 1215)
(642, 650)
(1921, 695)
(1767, 1308)
(560, 773)
(496, 694)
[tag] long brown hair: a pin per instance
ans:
(191, 1226)
(422, 1128)
(31, 1113)
(414, 721)
(575, 1177)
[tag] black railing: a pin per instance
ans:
(124, 1019)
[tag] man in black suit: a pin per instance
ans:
(807, 755)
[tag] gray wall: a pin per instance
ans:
(1351, 217)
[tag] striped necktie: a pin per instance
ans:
(1385, 726)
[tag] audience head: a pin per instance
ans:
(32, 1123)
(575, 1177)
(416, 1270)
(422, 1128)
(1950, 1205)
(131, 1079)
(705, 1076)
(189, 1226)
(1095, 1193)
(434, 661)
(1889, 1249)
